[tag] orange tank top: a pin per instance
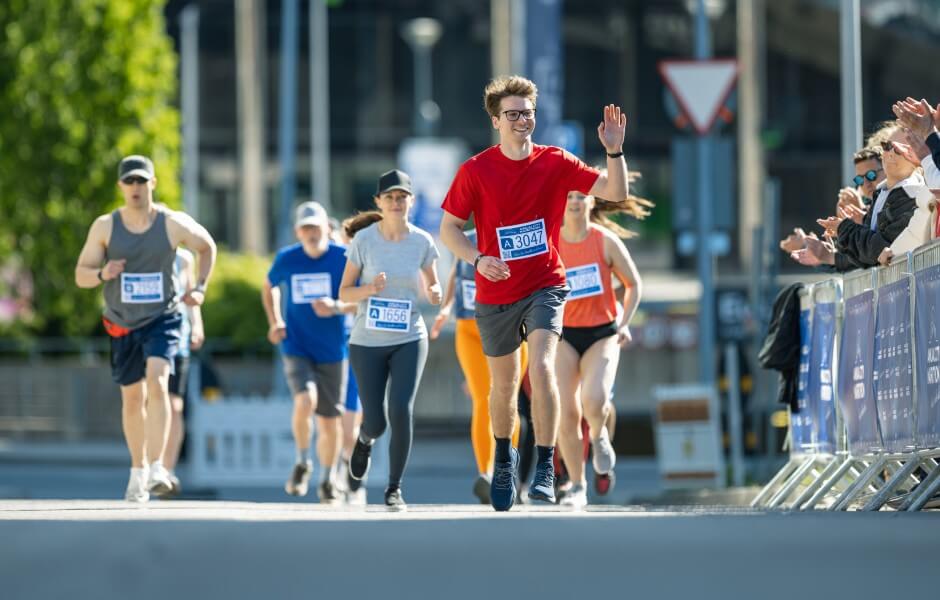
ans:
(591, 301)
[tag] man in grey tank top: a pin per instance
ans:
(131, 252)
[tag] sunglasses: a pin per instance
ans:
(134, 180)
(870, 175)
(887, 146)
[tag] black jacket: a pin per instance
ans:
(781, 348)
(859, 245)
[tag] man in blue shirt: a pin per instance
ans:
(313, 343)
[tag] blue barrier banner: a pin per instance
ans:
(801, 422)
(819, 380)
(927, 341)
(894, 377)
(856, 356)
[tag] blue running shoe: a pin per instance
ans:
(543, 485)
(503, 486)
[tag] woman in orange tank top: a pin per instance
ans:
(594, 330)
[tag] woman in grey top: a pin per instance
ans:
(388, 262)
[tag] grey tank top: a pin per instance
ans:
(148, 287)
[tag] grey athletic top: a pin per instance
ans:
(391, 317)
(148, 287)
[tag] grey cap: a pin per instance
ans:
(136, 164)
(311, 213)
(393, 180)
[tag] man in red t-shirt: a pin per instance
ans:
(516, 192)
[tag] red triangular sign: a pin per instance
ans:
(700, 87)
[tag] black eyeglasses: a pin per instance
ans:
(870, 175)
(134, 179)
(513, 115)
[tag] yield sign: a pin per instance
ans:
(700, 87)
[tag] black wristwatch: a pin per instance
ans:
(476, 261)
(100, 278)
(615, 154)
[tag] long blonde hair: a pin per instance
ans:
(633, 206)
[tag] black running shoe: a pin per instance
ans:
(299, 480)
(481, 489)
(543, 485)
(393, 499)
(327, 493)
(360, 460)
(503, 486)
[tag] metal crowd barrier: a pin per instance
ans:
(867, 430)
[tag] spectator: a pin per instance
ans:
(862, 242)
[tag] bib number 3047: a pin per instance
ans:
(384, 314)
(523, 240)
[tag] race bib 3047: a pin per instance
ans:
(523, 240)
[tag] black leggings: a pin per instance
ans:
(397, 368)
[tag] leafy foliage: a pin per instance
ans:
(81, 85)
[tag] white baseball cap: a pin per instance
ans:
(311, 213)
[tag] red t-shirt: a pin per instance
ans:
(518, 207)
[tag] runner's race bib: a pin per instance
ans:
(584, 281)
(384, 314)
(469, 291)
(523, 240)
(141, 288)
(307, 287)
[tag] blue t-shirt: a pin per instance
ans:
(322, 340)
(466, 286)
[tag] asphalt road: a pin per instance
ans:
(240, 550)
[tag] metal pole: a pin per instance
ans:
(287, 118)
(750, 15)
(320, 103)
(422, 68)
(189, 58)
(252, 216)
(851, 68)
(706, 317)
(733, 372)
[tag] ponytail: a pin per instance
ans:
(360, 221)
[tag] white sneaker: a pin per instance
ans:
(159, 482)
(576, 497)
(137, 486)
(357, 498)
(604, 457)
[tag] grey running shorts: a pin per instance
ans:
(329, 380)
(503, 327)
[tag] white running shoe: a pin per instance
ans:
(159, 482)
(357, 498)
(137, 486)
(604, 457)
(576, 497)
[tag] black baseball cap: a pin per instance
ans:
(136, 164)
(393, 180)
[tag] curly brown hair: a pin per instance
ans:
(504, 87)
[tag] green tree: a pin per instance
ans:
(81, 85)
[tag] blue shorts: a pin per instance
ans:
(352, 392)
(159, 339)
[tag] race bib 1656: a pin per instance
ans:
(385, 314)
